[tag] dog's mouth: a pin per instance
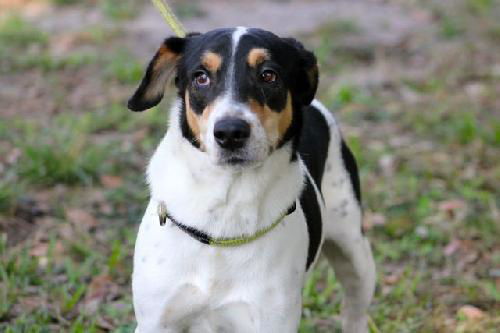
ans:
(238, 161)
(235, 160)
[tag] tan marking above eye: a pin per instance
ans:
(257, 56)
(211, 61)
(275, 123)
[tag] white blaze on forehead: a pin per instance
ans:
(238, 32)
(226, 106)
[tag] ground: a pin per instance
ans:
(415, 85)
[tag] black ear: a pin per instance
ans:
(159, 71)
(307, 81)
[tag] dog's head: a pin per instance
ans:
(241, 90)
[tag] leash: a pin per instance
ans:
(169, 16)
(204, 238)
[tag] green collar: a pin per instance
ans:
(220, 242)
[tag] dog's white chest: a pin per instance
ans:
(181, 283)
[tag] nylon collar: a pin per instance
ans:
(204, 238)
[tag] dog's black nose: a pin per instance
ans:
(231, 133)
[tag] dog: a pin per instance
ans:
(250, 183)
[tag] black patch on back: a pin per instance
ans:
(313, 149)
(352, 168)
(314, 142)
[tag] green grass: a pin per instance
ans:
(62, 154)
(119, 9)
(23, 46)
(65, 2)
(429, 168)
(124, 68)
(14, 30)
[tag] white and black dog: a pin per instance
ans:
(250, 182)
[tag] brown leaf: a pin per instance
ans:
(393, 278)
(81, 217)
(105, 324)
(30, 303)
(372, 220)
(471, 312)
(13, 156)
(452, 207)
(63, 43)
(111, 182)
(452, 247)
(39, 250)
(100, 287)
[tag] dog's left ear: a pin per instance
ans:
(161, 68)
(307, 82)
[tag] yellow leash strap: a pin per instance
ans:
(229, 242)
(169, 16)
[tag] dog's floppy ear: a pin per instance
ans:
(307, 82)
(160, 69)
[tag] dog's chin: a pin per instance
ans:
(237, 160)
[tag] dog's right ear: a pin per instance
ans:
(160, 69)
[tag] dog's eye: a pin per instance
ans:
(268, 76)
(201, 79)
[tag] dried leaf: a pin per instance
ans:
(100, 287)
(39, 250)
(111, 182)
(452, 247)
(471, 312)
(372, 220)
(30, 303)
(81, 217)
(393, 277)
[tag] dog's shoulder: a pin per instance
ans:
(313, 149)
(314, 140)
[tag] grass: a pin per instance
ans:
(124, 68)
(23, 46)
(119, 9)
(72, 188)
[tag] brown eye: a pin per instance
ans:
(268, 76)
(201, 79)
